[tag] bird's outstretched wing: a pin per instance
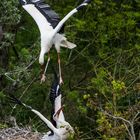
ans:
(72, 12)
(44, 16)
(15, 100)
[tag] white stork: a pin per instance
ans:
(50, 27)
(62, 130)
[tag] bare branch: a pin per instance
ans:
(127, 130)
(32, 62)
(1, 33)
(26, 89)
(135, 117)
(116, 117)
(132, 132)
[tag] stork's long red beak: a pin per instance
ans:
(58, 112)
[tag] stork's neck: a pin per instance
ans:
(60, 24)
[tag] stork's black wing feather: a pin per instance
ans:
(55, 90)
(54, 93)
(14, 100)
(51, 16)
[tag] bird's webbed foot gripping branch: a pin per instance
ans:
(51, 29)
(60, 128)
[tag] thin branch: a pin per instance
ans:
(135, 117)
(89, 118)
(24, 92)
(124, 120)
(127, 130)
(6, 74)
(31, 63)
(116, 117)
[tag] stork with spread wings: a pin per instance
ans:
(51, 29)
(60, 128)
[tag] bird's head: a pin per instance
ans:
(66, 130)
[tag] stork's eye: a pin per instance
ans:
(67, 128)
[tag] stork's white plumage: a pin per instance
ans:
(61, 130)
(50, 26)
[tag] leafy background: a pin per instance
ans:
(101, 76)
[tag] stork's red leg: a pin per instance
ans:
(60, 75)
(44, 69)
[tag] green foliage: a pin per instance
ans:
(118, 85)
(2, 95)
(9, 12)
(101, 74)
(3, 126)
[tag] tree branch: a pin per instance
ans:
(116, 117)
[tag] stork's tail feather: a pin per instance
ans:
(68, 44)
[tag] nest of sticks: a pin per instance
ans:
(15, 133)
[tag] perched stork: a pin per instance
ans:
(60, 128)
(50, 27)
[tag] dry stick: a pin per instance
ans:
(116, 117)
(132, 82)
(24, 92)
(6, 74)
(31, 63)
(79, 53)
(135, 117)
(128, 130)
(86, 134)
(1, 33)
(115, 68)
(79, 82)
(124, 122)
(92, 120)
(71, 51)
